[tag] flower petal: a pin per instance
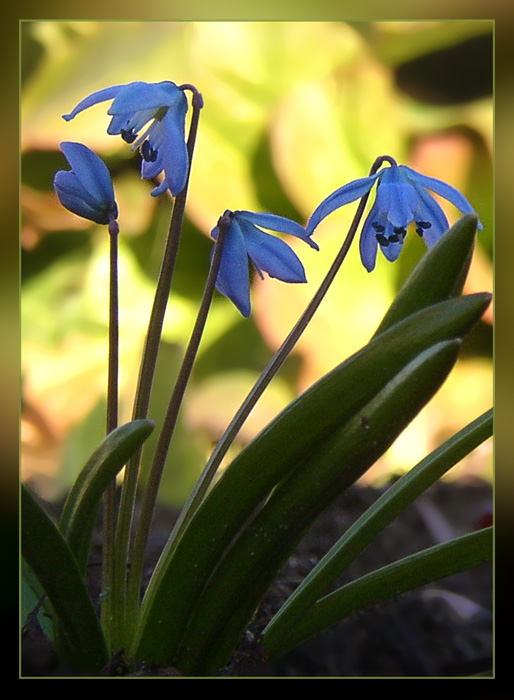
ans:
(130, 121)
(442, 189)
(344, 195)
(271, 254)
(397, 197)
(91, 171)
(139, 95)
(392, 251)
(368, 244)
(429, 211)
(73, 197)
(173, 150)
(273, 222)
(93, 99)
(233, 280)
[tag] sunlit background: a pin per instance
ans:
(293, 110)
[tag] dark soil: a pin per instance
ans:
(444, 630)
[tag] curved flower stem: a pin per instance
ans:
(267, 375)
(111, 423)
(161, 450)
(146, 375)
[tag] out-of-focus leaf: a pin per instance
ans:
(187, 446)
(212, 404)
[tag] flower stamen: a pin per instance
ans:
(148, 152)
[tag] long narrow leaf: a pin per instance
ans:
(416, 570)
(81, 507)
(54, 565)
(385, 509)
(311, 419)
(241, 579)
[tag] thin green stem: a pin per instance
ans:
(170, 421)
(265, 378)
(111, 423)
(145, 380)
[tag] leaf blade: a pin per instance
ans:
(79, 513)
(439, 275)
(234, 589)
(56, 569)
(185, 567)
(388, 506)
(429, 565)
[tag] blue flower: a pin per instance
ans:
(162, 145)
(244, 241)
(87, 188)
(402, 197)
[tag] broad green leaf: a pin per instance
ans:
(54, 565)
(439, 275)
(79, 513)
(424, 567)
(390, 504)
(248, 568)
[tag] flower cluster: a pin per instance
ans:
(403, 195)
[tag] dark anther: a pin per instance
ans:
(394, 238)
(423, 224)
(400, 231)
(382, 240)
(128, 135)
(148, 153)
(378, 227)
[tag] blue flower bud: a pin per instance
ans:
(86, 189)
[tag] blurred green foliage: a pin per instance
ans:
(293, 110)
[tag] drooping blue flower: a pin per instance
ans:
(162, 144)
(402, 197)
(246, 241)
(86, 189)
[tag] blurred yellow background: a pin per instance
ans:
(293, 110)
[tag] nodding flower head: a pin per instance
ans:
(86, 189)
(402, 197)
(162, 144)
(245, 242)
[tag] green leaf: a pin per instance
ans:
(424, 567)
(261, 466)
(81, 507)
(247, 570)
(56, 569)
(401, 494)
(185, 567)
(439, 275)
